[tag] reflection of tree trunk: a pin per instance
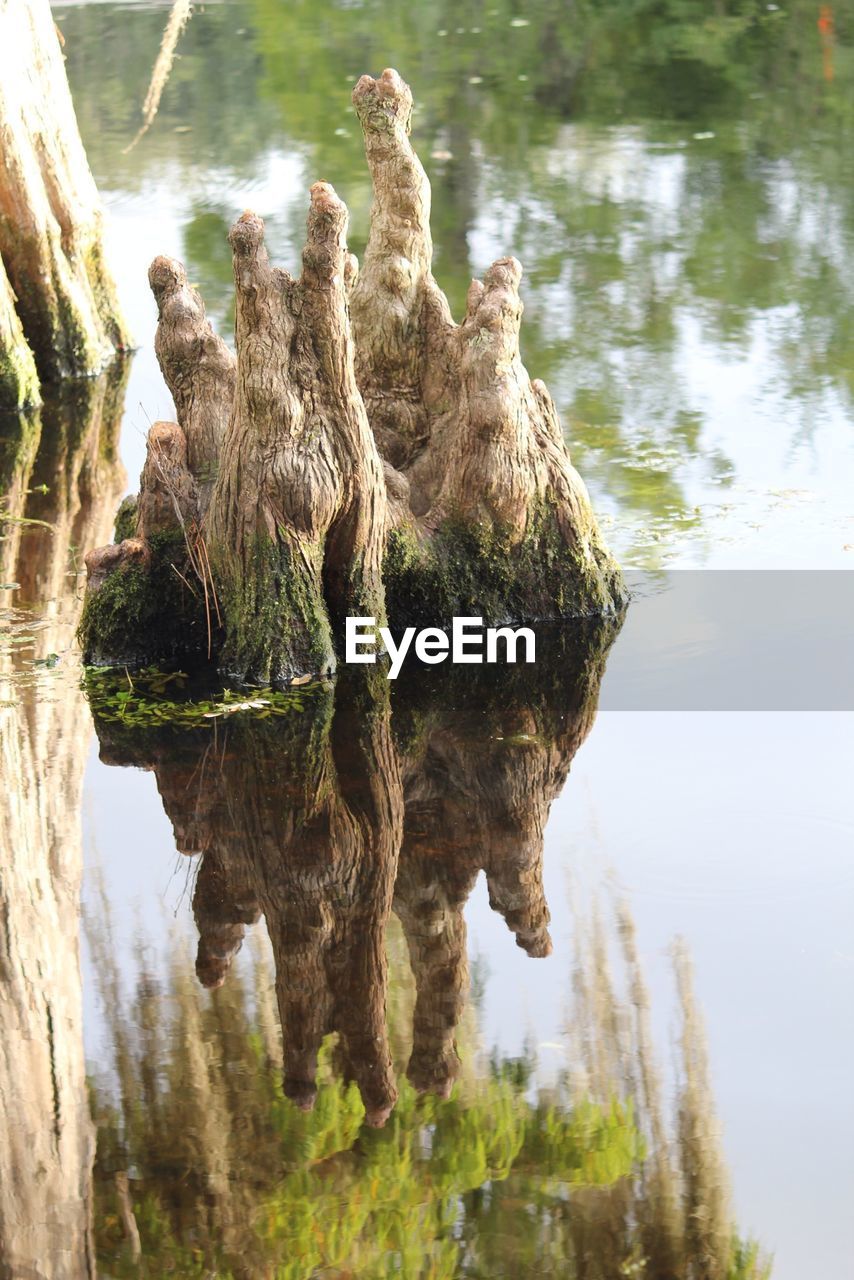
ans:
(46, 1154)
(50, 217)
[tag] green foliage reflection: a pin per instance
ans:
(229, 1178)
(675, 176)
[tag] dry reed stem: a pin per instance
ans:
(178, 19)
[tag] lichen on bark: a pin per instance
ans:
(363, 454)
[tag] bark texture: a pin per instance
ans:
(199, 371)
(366, 455)
(48, 1141)
(19, 379)
(50, 218)
(327, 821)
(296, 522)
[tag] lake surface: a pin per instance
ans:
(525, 988)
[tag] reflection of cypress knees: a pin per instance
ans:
(326, 894)
(299, 817)
(429, 903)
(303, 818)
(486, 761)
(58, 312)
(401, 464)
(224, 904)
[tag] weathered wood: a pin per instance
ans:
(198, 368)
(51, 235)
(297, 515)
(401, 465)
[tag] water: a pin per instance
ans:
(682, 205)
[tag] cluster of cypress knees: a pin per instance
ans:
(360, 456)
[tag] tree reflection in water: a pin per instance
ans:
(358, 1127)
(60, 480)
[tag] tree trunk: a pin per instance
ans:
(50, 219)
(48, 1140)
(366, 456)
(19, 380)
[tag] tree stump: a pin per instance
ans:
(59, 316)
(363, 455)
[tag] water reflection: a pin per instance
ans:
(355, 1124)
(677, 185)
(62, 480)
(325, 821)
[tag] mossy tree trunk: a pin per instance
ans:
(364, 454)
(53, 276)
(19, 379)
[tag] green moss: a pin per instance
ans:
(19, 381)
(141, 617)
(126, 518)
(152, 714)
(82, 344)
(472, 570)
(106, 297)
(20, 433)
(275, 620)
